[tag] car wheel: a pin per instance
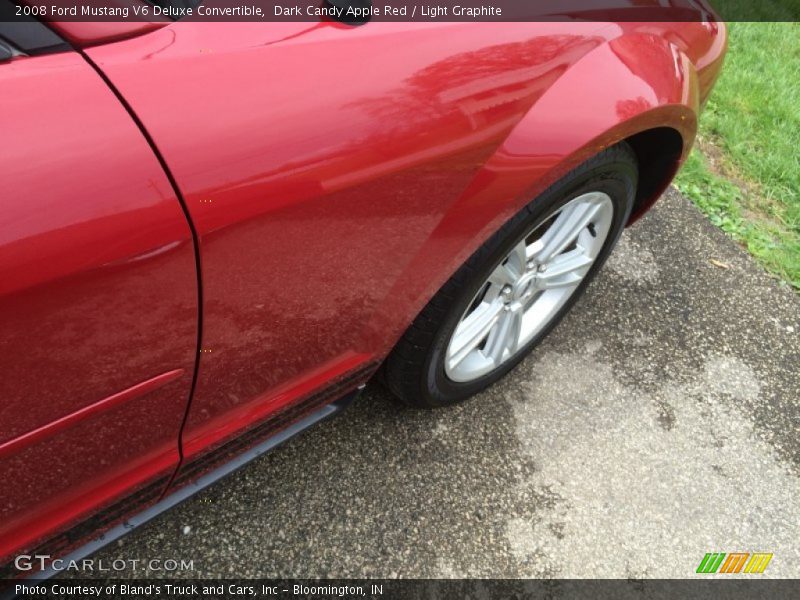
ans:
(516, 287)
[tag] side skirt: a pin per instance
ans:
(199, 484)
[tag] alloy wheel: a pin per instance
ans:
(528, 287)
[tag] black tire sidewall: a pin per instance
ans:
(616, 177)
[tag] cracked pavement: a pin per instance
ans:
(659, 421)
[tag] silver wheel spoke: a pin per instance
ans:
(569, 223)
(505, 337)
(519, 258)
(564, 270)
(502, 276)
(473, 330)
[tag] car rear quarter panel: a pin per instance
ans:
(641, 77)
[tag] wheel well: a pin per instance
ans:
(658, 152)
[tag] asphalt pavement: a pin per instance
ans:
(660, 421)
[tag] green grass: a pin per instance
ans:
(745, 171)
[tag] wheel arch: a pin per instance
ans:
(658, 153)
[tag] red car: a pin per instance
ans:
(214, 234)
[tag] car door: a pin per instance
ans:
(98, 307)
(316, 161)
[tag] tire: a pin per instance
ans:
(433, 364)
